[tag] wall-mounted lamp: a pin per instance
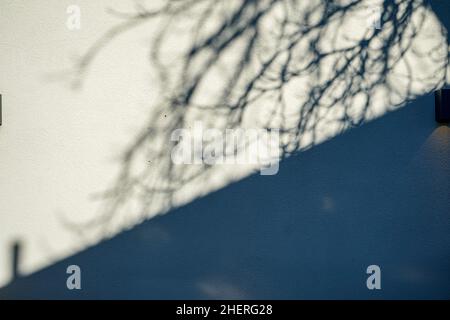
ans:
(442, 105)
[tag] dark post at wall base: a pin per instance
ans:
(15, 260)
(442, 105)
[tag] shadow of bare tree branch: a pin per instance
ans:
(311, 69)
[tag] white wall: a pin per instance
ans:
(58, 146)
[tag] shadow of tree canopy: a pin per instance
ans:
(311, 69)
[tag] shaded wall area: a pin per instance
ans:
(378, 194)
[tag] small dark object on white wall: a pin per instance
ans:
(15, 255)
(442, 105)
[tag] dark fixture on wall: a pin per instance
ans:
(442, 105)
(15, 255)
